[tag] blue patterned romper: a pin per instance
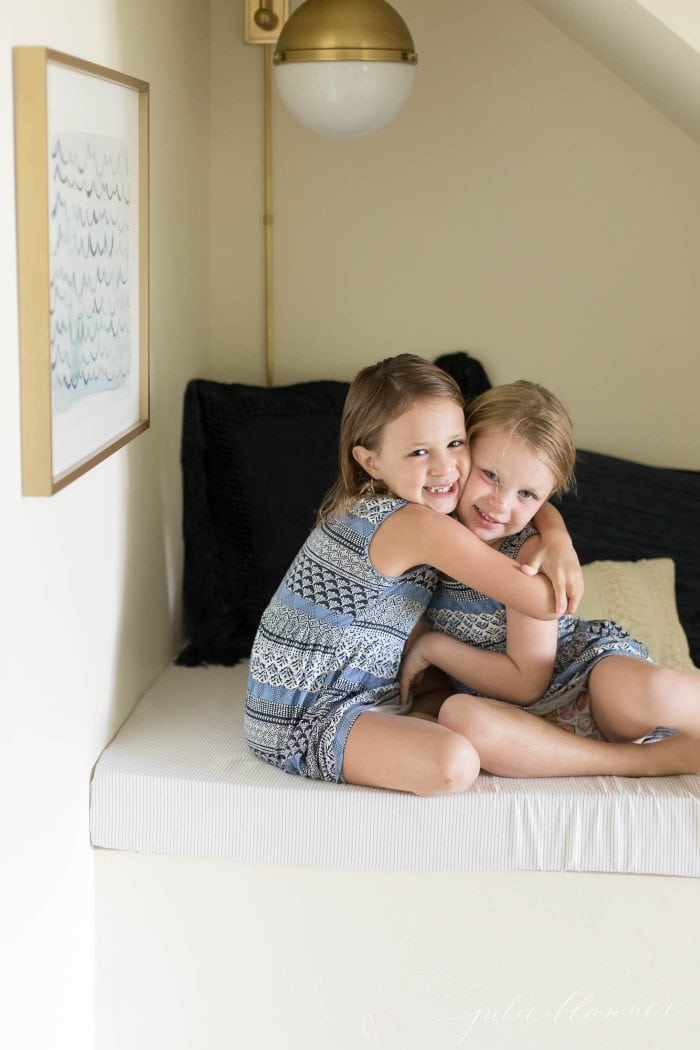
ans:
(329, 644)
(474, 618)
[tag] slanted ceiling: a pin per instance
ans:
(654, 46)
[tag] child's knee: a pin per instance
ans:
(462, 714)
(457, 765)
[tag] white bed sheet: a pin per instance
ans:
(179, 779)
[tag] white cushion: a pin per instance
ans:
(179, 778)
(639, 595)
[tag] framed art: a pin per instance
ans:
(81, 146)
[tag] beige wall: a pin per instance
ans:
(682, 16)
(91, 577)
(526, 205)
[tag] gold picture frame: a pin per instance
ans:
(82, 195)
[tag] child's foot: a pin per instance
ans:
(675, 755)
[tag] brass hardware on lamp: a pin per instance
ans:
(343, 68)
(264, 20)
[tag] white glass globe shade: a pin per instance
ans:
(344, 99)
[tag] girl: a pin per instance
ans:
(322, 689)
(522, 450)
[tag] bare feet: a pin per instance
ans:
(676, 754)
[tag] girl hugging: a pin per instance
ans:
(591, 678)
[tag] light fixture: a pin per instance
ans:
(344, 68)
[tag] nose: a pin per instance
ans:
(439, 465)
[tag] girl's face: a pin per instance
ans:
(422, 456)
(506, 486)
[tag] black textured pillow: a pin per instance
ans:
(468, 373)
(256, 463)
(626, 511)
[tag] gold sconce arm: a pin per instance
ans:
(264, 20)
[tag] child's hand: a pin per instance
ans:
(414, 664)
(557, 559)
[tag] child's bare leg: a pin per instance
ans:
(513, 743)
(630, 697)
(408, 754)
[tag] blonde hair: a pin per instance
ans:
(377, 395)
(534, 415)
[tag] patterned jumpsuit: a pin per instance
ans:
(329, 644)
(472, 617)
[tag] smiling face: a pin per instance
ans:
(422, 455)
(506, 486)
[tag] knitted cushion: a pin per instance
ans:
(256, 463)
(625, 511)
(641, 596)
(467, 372)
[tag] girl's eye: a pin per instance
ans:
(419, 452)
(526, 494)
(457, 443)
(489, 475)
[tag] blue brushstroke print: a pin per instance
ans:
(89, 216)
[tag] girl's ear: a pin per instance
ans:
(367, 460)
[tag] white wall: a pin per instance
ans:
(90, 577)
(526, 205)
(237, 956)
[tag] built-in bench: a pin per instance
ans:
(179, 778)
(238, 906)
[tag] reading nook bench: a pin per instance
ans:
(180, 779)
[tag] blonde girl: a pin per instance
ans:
(322, 691)
(591, 677)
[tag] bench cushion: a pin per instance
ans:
(179, 779)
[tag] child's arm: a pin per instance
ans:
(520, 675)
(416, 535)
(557, 559)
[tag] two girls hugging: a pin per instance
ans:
(406, 647)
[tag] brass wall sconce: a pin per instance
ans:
(343, 68)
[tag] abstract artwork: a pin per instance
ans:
(89, 211)
(82, 211)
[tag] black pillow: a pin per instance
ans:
(625, 511)
(256, 463)
(467, 372)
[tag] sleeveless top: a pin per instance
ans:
(329, 643)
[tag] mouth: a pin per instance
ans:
(486, 519)
(442, 490)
